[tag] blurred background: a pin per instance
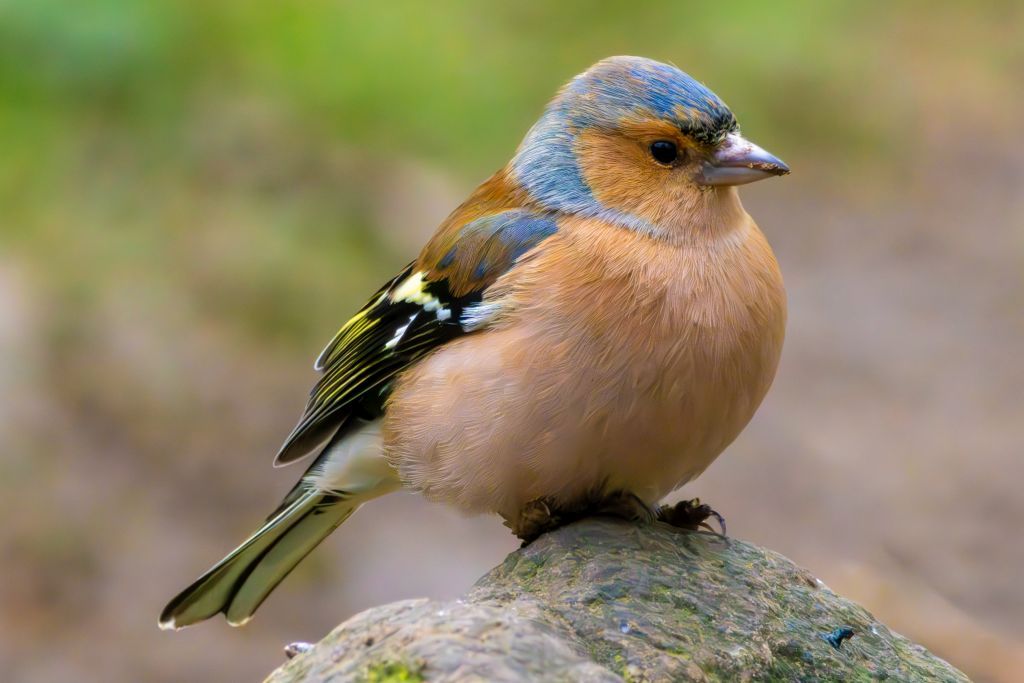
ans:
(195, 196)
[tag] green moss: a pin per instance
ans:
(528, 567)
(654, 605)
(393, 672)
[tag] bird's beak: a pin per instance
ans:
(737, 161)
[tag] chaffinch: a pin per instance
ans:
(586, 332)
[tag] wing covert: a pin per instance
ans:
(419, 310)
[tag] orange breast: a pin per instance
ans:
(620, 361)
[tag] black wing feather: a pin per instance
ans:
(358, 365)
(407, 318)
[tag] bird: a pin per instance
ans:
(584, 334)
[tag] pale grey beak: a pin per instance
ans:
(737, 161)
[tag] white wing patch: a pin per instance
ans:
(412, 290)
(479, 315)
(400, 332)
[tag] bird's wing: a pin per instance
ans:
(422, 308)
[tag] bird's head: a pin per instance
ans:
(636, 142)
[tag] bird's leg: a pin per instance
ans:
(544, 514)
(691, 515)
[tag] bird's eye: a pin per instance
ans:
(664, 151)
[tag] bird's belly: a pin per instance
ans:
(493, 421)
(633, 369)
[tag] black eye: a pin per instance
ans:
(664, 151)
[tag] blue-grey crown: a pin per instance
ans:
(602, 97)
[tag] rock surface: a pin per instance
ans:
(607, 601)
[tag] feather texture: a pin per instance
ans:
(617, 360)
(416, 312)
(594, 317)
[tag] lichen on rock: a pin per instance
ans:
(603, 600)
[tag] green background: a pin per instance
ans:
(194, 195)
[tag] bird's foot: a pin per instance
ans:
(691, 515)
(535, 519)
(293, 650)
(543, 514)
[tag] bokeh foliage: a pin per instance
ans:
(194, 195)
(118, 120)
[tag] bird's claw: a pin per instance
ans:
(692, 515)
(535, 519)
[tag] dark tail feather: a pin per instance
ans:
(239, 583)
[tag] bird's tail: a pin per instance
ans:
(239, 583)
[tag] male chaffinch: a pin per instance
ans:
(585, 333)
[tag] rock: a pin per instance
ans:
(603, 600)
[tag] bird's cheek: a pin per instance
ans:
(616, 172)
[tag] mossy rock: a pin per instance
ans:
(607, 601)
